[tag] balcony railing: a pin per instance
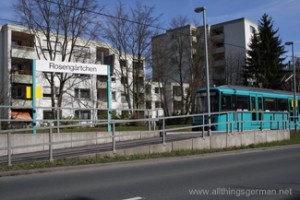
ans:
(21, 102)
(22, 78)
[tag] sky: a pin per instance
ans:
(285, 13)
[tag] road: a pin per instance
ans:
(271, 173)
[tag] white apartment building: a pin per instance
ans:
(227, 45)
(170, 95)
(85, 95)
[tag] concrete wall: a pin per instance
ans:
(68, 140)
(217, 140)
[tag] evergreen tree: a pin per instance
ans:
(252, 62)
(265, 59)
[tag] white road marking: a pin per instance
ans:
(135, 198)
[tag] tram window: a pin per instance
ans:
(282, 104)
(270, 104)
(226, 103)
(242, 102)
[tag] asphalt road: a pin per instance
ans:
(271, 173)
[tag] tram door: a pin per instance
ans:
(256, 109)
(291, 108)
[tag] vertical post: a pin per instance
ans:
(108, 100)
(50, 146)
(295, 113)
(294, 85)
(207, 71)
(199, 10)
(149, 120)
(34, 96)
(203, 127)
(242, 125)
(164, 131)
(9, 148)
(227, 123)
(114, 138)
(57, 117)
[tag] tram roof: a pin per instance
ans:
(254, 89)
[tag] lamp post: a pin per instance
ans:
(199, 10)
(294, 84)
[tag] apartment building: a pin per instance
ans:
(85, 95)
(184, 47)
(167, 96)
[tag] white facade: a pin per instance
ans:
(169, 94)
(227, 45)
(84, 94)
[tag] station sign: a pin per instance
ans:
(70, 67)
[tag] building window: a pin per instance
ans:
(83, 114)
(48, 114)
(124, 80)
(157, 104)
(55, 46)
(81, 51)
(252, 29)
(82, 76)
(19, 91)
(123, 63)
(102, 95)
(148, 89)
(219, 44)
(101, 54)
(113, 96)
(47, 91)
(157, 90)
(176, 90)
(82, 93)
(177, 105)
(123, 98)
(148, 105)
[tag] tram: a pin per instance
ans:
(258, 108)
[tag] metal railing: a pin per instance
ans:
(234, 121)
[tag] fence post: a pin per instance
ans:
(50, 146)
(227, 123)
(164, 131)
(261, 122)
(203, 127)
(242, 125)
(57, 116)
(9, 148)
(113, 138)
(149, 120)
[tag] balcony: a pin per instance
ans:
(22, 78)
(219, 63)
(177, 98)
(23, 52)
(21, 103)
(102, 105)
(219, 37)
(22, 45)
(218, 50)
(102, 85)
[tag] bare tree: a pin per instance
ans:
(180, 41)
(234, 63)
(130, 35)
(57, 26)
(160, 58)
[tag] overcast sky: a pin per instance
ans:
(285, 13)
